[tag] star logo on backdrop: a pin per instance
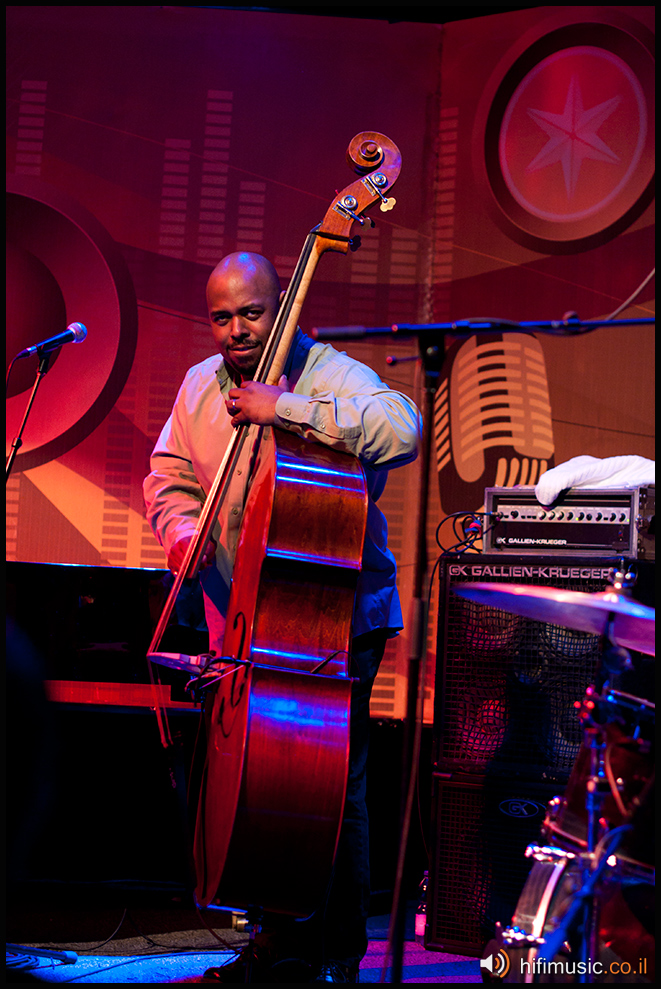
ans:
(573, 135)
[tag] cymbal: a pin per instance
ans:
(632, 623)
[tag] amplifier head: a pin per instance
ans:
(585, 521)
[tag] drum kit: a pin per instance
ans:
(585, 913)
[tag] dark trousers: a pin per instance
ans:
(338, 929)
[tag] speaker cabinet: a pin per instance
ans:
(481, 828)
(506, 685)
(506, 734)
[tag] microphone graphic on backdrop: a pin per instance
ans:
(492, 412)
(74, 333)
(492, 421)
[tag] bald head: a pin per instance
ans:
(248, 268)
(243, 296)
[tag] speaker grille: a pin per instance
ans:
(481, 829)
(506, 735)
(506, 685)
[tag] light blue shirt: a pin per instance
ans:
(334, 400)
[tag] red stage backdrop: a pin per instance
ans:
(543, 193)
(146, 142)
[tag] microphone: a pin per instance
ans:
(74, 333)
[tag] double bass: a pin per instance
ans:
(277, 702)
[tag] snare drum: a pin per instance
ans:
(624, 729)
(625, 912)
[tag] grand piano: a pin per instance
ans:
(90, 787)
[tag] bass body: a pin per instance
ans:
(277, 728)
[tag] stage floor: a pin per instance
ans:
(169, 944)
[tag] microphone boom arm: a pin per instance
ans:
(572, 326)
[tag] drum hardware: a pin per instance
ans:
(584, 905)
(548, 853)
(611, 784)
(614, 657)
(602, 826)
(598, 784)
(516, 936)
(547, 940)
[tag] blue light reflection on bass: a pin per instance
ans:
(288, 711)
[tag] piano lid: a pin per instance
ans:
(94, 624)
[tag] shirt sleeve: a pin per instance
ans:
(346, 405)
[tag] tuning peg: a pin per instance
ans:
(375, 183)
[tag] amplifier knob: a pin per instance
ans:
(589, 516)
(514, 514)
(560, 515)
(580, 516)
(623, 517)
(599, 516)
(612, 517)
(570, 515)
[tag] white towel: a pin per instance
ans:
(591, 472)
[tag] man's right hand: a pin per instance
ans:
(180, 548)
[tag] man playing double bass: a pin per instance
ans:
(328, 397)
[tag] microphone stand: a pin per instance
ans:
(432, 360)
(44, 364)
(570, 326)
(67, 957)
(432, 357)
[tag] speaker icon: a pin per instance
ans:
(498, 965)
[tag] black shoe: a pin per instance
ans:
(290, 970)
(263, 969)
(337, 972)
(236, 970)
